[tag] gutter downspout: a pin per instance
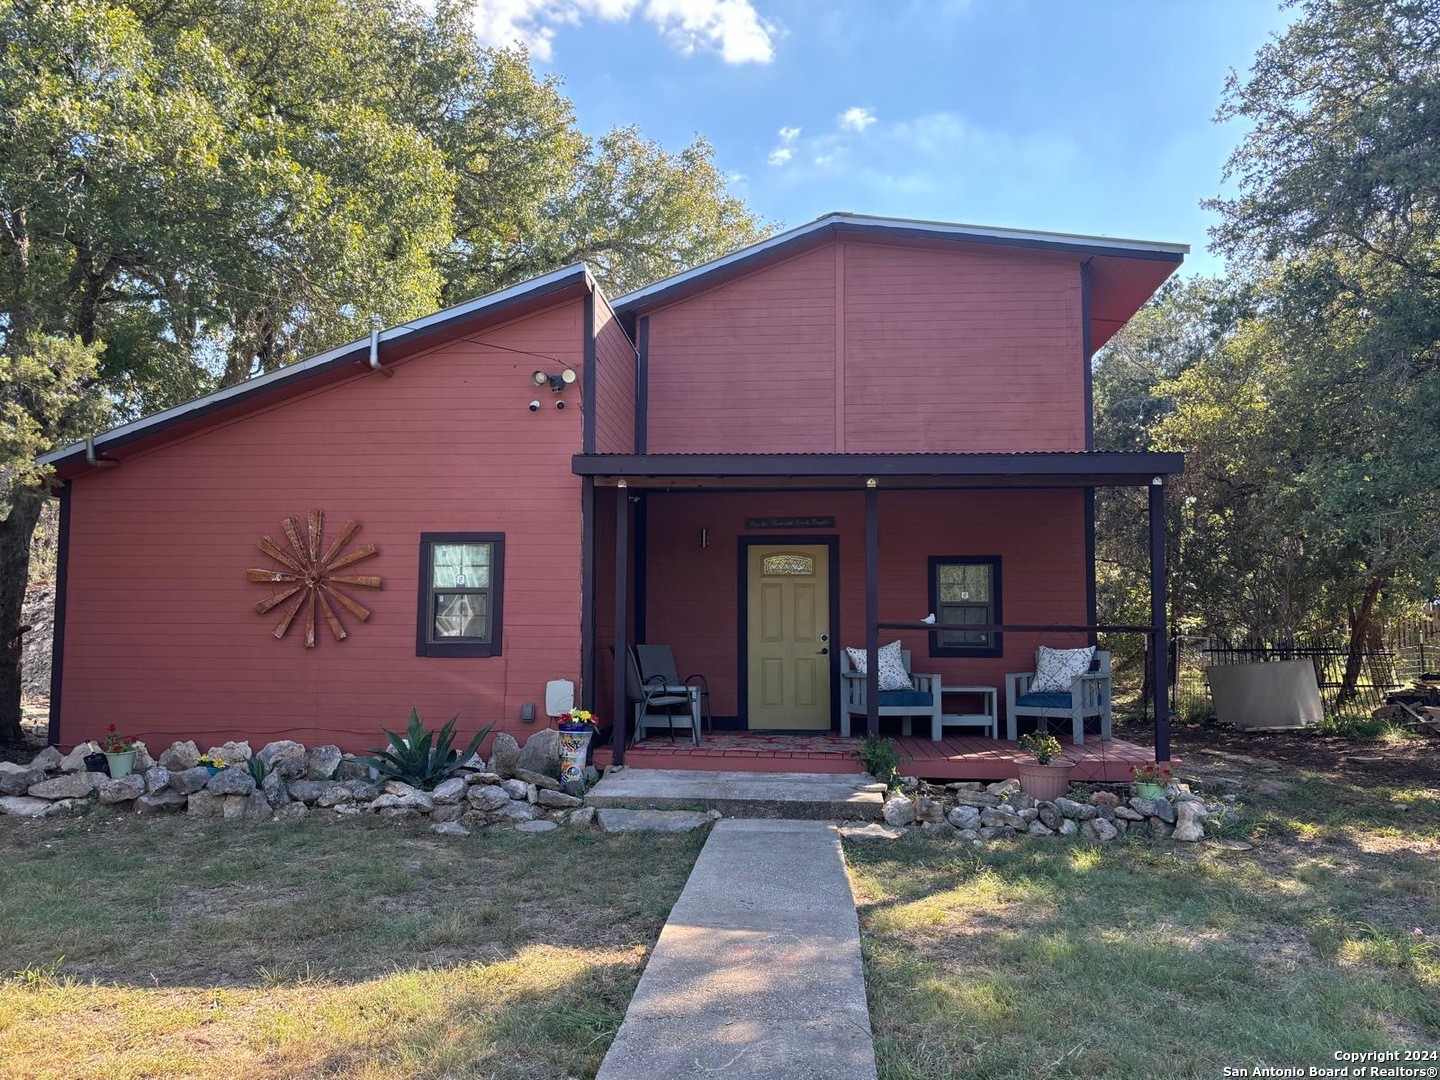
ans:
(375, 348)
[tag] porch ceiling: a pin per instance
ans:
(891, 471)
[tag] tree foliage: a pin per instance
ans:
(193, 193)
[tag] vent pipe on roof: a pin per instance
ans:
(375, 348)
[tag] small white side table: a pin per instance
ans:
(988, 720)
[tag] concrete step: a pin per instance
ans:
(797, 796)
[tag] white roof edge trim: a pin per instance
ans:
(939, 228)
(393, 333)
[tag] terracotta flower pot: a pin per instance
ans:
(1045, 783)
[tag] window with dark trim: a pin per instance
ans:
(965, 589)
(462, 578)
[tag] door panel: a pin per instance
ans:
(788, 597)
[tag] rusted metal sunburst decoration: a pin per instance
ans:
(309, 576)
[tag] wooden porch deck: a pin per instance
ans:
(956, 757)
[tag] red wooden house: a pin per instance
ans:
(544, 473)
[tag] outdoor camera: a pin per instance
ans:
(559, 404)
(534, 406)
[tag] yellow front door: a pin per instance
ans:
(788, 597)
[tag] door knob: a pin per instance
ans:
(823, 652)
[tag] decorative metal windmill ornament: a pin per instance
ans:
(307, 577)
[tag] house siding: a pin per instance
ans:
(857, 346)
(615, 364)
(161, 639)
(693, 592)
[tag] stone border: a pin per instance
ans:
(981, 813)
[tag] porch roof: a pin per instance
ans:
(1031, 469)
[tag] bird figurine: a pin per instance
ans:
(929, 620)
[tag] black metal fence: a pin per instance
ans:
(1405, 650)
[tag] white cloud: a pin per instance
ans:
(786, 150)
(856, 119)
(733, 28)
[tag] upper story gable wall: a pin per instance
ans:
(615, 386)
(856, 346)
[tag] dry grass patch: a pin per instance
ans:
(167, 948)
(1140, 960)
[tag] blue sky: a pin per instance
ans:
(1090, 117)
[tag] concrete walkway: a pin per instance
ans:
(757, 974)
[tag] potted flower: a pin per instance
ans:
(119, 751)
(212, 765)
(1150, 781)
(1047, 777)
(577, 728)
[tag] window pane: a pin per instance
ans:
(460, 566)
(462, 615)
(965, 582)
(793, 565)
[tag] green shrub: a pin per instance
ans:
(258, 770)
(421, 758)
(881, 759)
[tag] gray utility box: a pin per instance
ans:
(1266, 697)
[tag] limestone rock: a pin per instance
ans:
(11, 766)
(451, 812)
(941, 828)
(450, 828)
(541, 754)
(26, 806)
(255, 806)
(1027, 814)
(335, 795)
(964, 817)
(1161, 830)
(20, 781)
(1068, 827)
(1003, 787)
(872, 831)
(1156, 808)
(188, 780)
(584, 816)
(540, 780)
(972, 835)
(232, 781)
(504, 755)
(999, 817)
(614, 819)
(157, 778)
(160, 801)
(516, 789)
(1189, 826)
(518, 811)
(285, 757)
(532, 793)
(929, 811)
(1076, 811)
(408, 800)
(291, 811)
(1127, 814)
(450, 792)
(1104, 798)
(49, 758)
(899, 810)
(179, 756)
(398, 787)
(557, 799)
(401, 815)
(322, 761)
(143, 760)
(995, 832)
(487, 796)
(484, 778)
(204, 804)
(976, 798)
(75, 785)
(307, 791)
(275, 790)
(1049, 816)
(351, 769)
(232, 753)
(121, 790)
(1099, 830)
(535, 826)
(1038, 829)
(75, 760)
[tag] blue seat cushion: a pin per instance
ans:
(1042, 701)
(899, 698)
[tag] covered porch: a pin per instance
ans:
(674, 550)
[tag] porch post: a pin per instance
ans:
(1160, 636)
(872, 607)
(622, 621)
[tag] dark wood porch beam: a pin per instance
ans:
(622, 621)
(1160, 641)
(872, 608)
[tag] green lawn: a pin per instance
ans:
(172, 947)
(1146, 960)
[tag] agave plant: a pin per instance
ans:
(421, 758)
